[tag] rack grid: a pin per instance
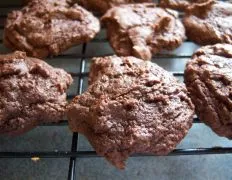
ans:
(74, 154)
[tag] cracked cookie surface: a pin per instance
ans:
(102, 6)
(141, 30)
(48, 27)
(181, 5)
(209, 23)
(208, 77)
(31, 92)
(131, 106)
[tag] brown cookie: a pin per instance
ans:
(49, 27)
(181, 5)
(131, 106)
(143, 29)
(59, 2)
(102, 6)
(209, 23)
(208, 77)
(31, 93)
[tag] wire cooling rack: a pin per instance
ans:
(82, 73)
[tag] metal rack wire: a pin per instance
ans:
(74, 154)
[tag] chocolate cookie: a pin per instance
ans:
(142, 29)
(131, 106)
(102, 6)
(208, 77)
(54, 2)
(209, 23)
(31, 93)
(49, 27)
(181, 5)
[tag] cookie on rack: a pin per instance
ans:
(208, 77)
(48, 27)
(55, 2)
(209, 23)
(31, 92)
(181, 5)
(101, 6)
(131, 106)
(144, 29)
